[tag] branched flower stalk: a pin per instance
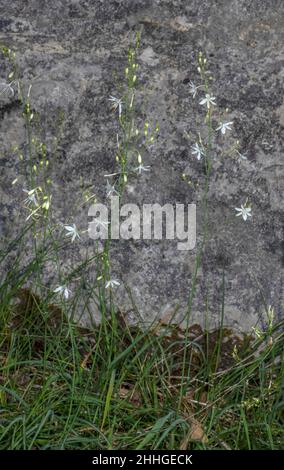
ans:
(134, 135)
(204, 150)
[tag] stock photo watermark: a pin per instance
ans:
(148, 222)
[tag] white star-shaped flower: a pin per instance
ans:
(98, 222)
(110, 190)
(72, 232)
(6, 87)
(244, 211)
(196, 150)
(224, 126)
(241, 157)
(208, 100)
(112, 283)
(141, 168)
(116, 103)
(193, 89)
(31, 199)
(63, 290)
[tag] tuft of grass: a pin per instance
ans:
(62, 386)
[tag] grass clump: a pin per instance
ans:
(64, 387)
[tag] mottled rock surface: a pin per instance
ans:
(74, 53)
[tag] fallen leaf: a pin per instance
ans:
(127, 391)
(196, 434)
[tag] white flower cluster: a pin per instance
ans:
(198, 149)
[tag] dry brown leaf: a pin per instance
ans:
(196, 434)
(127, 391)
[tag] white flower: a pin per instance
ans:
(244, 211)
(208, 100)
(110, 190)
(224, 126)
(98, 222)
(112, 283)
(72, 232)
(241, 157)
(6, 87)
(103, 223)
(63, 290)
(196, 150)
(117, 103)
(141, 168)
(31, 199)
(193, 89)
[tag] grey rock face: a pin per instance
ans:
(74, 54)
